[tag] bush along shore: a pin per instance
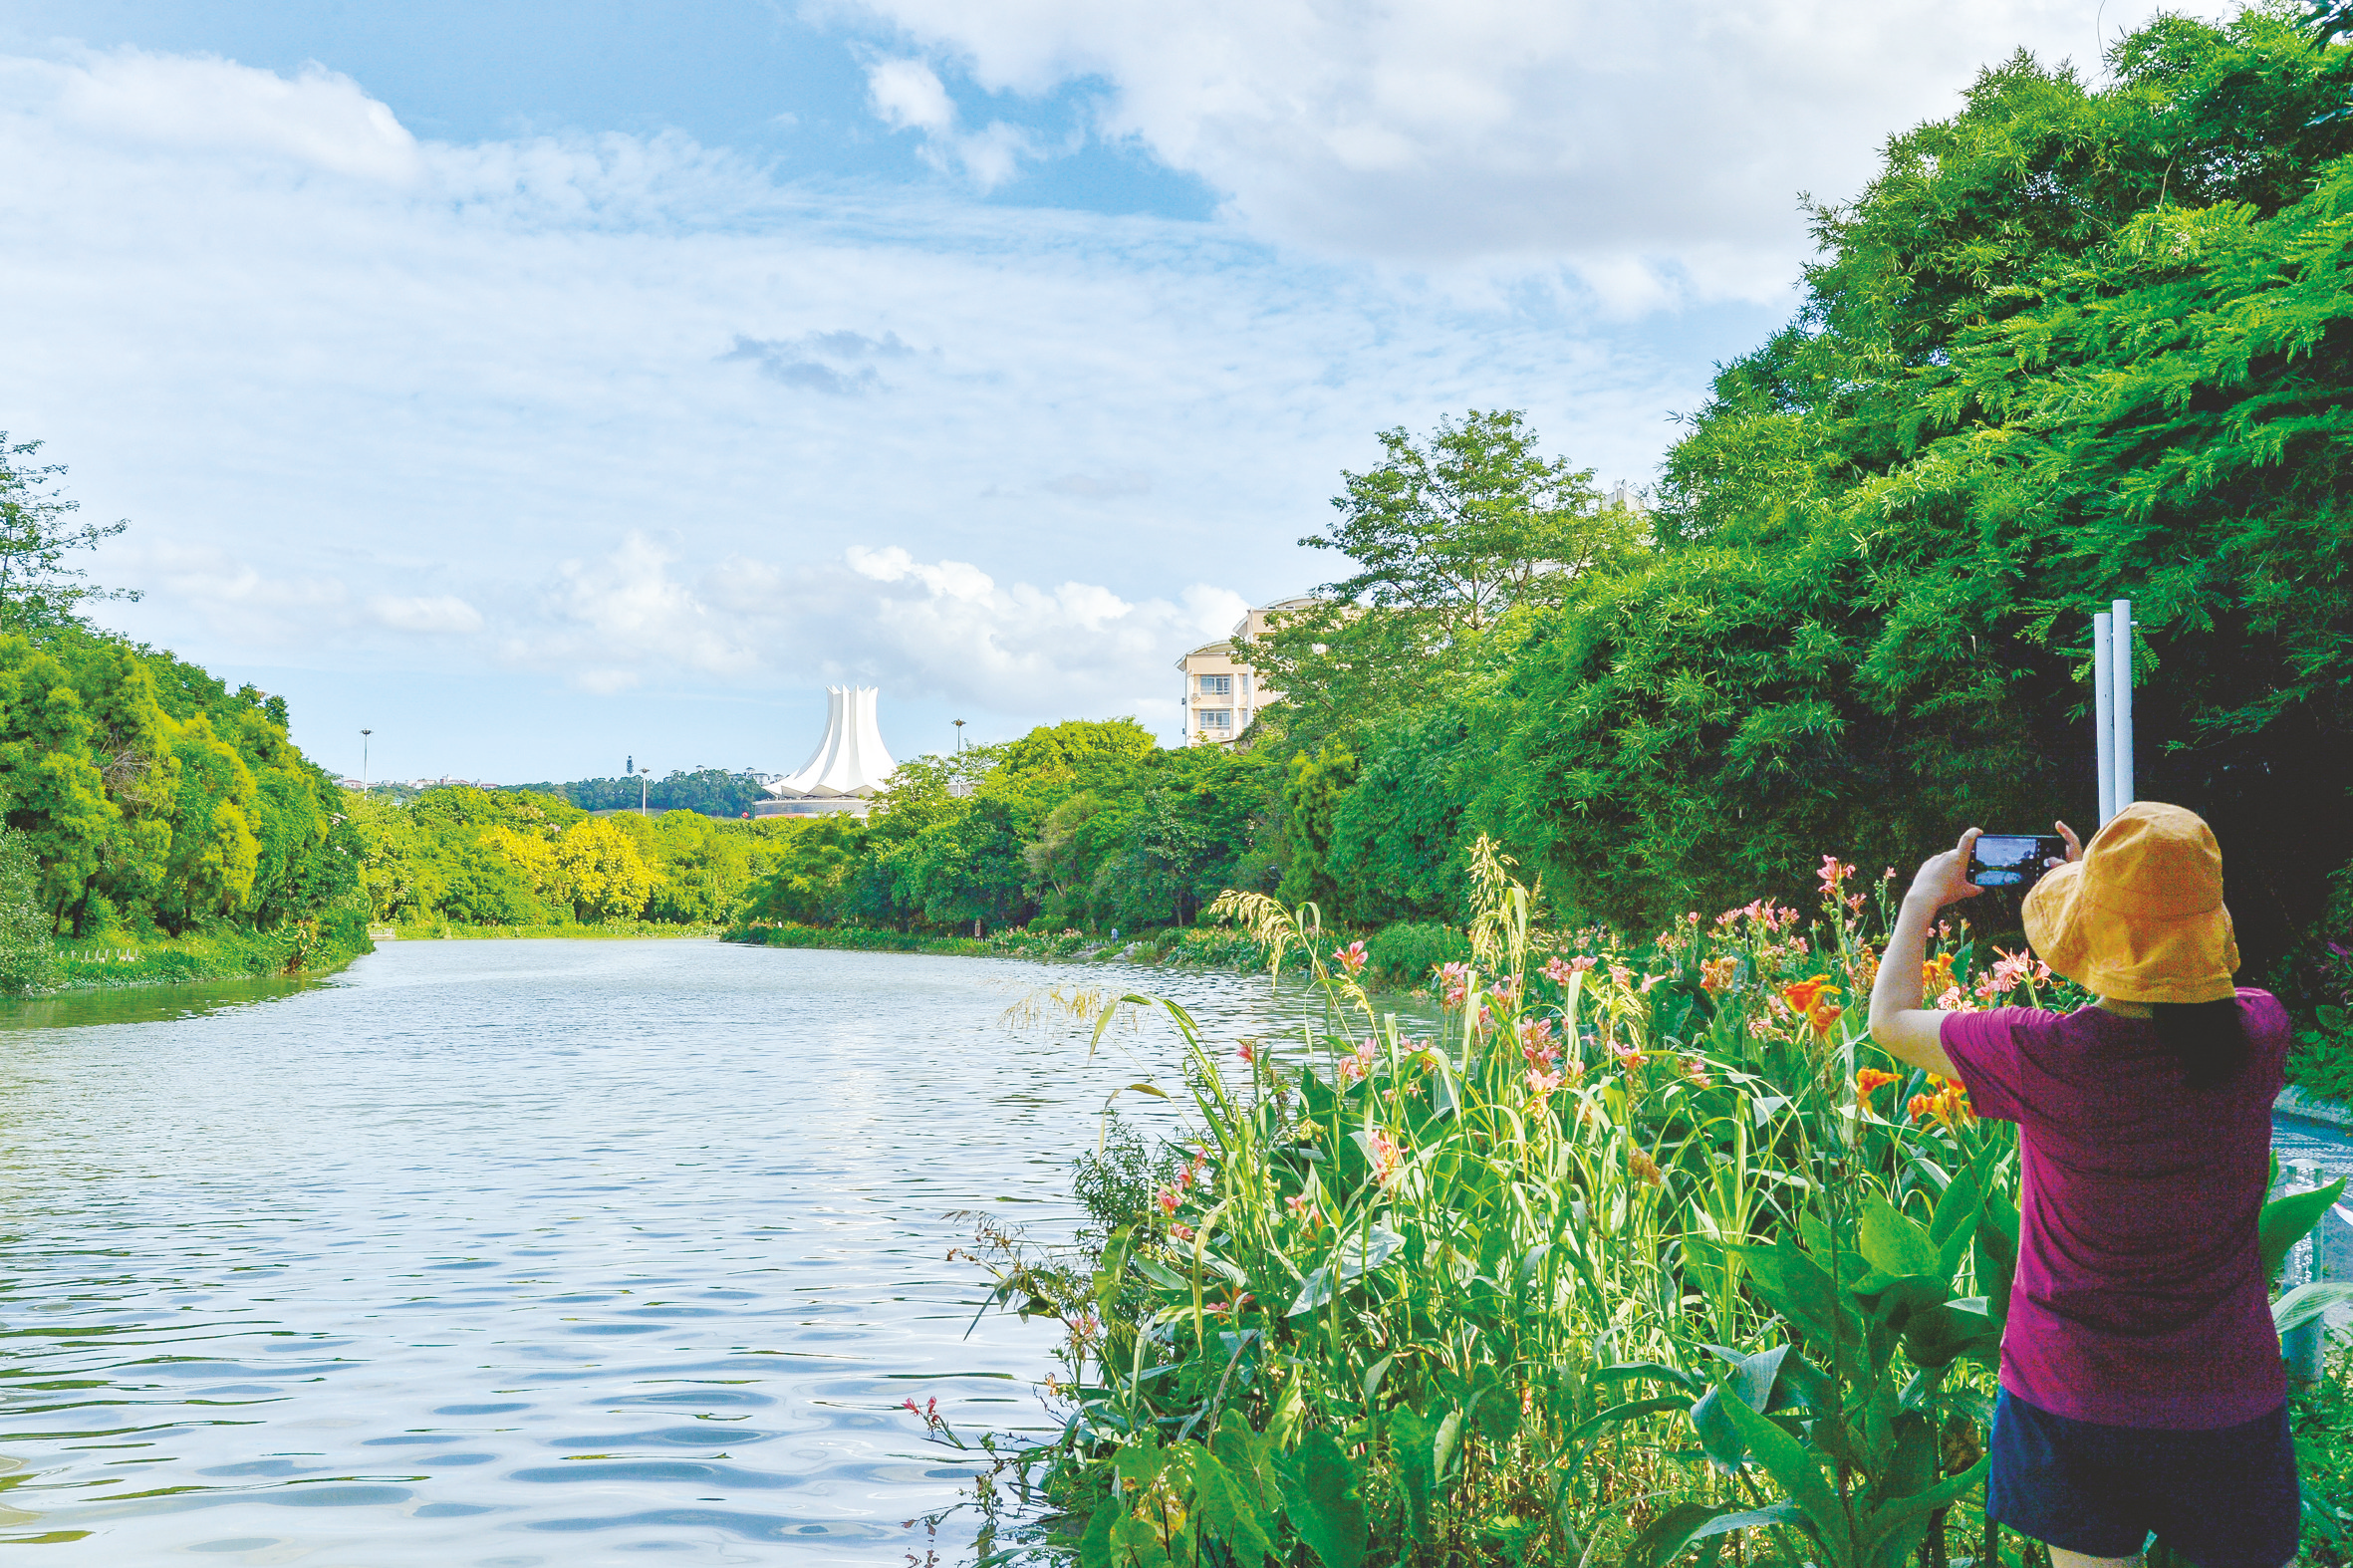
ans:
(1398, 957)
(1645, 1254)
(227, 953)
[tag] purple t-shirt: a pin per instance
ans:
(2140, 1298)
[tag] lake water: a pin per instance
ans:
(511, 1254)
(533, 1252)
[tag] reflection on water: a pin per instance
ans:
(146, 1003)
(511, 1254)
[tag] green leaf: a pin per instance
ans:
(1160, 1274)
(1796, 1287)
(1320, 1486)
(2306, 1302)
(1413, 1439)
(1632, 1409)
(1893, 1243)
(1138, 1464)
(1230, 1514)
(1652, 1370)
(1449, 1438)
(1787, 1461)
(1248, 1458)
(1959, 1209)
(2290, 1219)
(1892, 1516)
(1754, 1518)
(1095, 1545)
(1666, 1536)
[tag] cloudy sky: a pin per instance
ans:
(539, 385)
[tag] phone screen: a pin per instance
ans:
(2012, 860)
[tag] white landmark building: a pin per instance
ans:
(848, 768)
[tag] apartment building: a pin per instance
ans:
(1221, 694)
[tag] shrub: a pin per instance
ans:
(1408, 951)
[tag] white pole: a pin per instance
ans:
(2104, 714)
(2120, 665)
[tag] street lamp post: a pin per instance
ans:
(643, 775)
(959, 723)
(363, 734)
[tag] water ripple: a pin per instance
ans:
(639, 1244)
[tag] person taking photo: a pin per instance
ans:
(2142, 1389)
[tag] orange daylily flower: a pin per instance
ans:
(1870, 1081)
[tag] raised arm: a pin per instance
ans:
(1905, 1029)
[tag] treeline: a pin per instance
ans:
(458, 855)
(2071, 343)
(144, 799)
(716, 792)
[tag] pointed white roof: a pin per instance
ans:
(850, 759)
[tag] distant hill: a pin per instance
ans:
(715, 792)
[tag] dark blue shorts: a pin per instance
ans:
(2226, 1498)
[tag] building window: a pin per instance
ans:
(1245, 683)
(1216, 685)
(1216, 718)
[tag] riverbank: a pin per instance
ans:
(1398, 958)
(609, 930)
(118, 959)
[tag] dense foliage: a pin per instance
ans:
(153, 800)
(715, 792)
(457, 855)
(1644, 1250)
(1081, 823)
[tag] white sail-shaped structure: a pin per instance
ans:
(850, 760)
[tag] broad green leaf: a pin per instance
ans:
(1449, 1438)
(1960, 1208)
(1320, 1486)
(2289, 1221)
(1372, 1376)
(1413, 1439)
(1248, 1458)
(1138, 1464)
(1160, 1274)
(1894, 1243)
(2306, 1302)
(1095, 1545)
(1796, 1287)
(1787, 1461)
(1230, 1514)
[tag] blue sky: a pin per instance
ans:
(541, 384)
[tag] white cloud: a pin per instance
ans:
(319, 118)
(572, 384)
(921, 629)
(439, 612)
(907, 94)
(1657, 150)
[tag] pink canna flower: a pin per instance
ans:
(1388, 1157)
(1352, 957)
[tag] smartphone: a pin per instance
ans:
(2012, 860)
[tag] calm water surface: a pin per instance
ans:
(522, 1253)
(518, 1253)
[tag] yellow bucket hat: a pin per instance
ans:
(2141, 916)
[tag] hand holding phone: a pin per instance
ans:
(2013, 860)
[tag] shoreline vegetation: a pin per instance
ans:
(1643, 1254)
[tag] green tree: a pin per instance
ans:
(1447, 536)
(37, 534)
(1312, 794)
(2070, 344)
